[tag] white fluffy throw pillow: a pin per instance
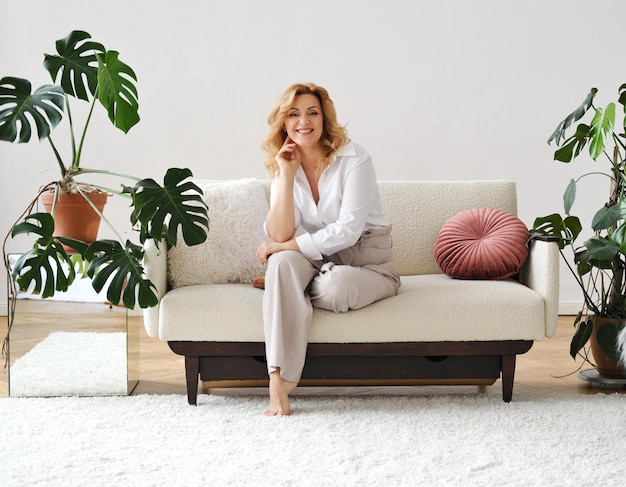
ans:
(237, 210)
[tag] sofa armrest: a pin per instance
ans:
(155, 267)
(540, 273)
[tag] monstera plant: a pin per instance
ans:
(83, 70)
(599, 263)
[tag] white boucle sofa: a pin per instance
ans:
(437, 330)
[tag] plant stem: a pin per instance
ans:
(104, 171)
(58, 158)
(99, 213)
(588, 302)
(76, 161)
(71, 123)
(10, 280)
(618, 141)
(106, 189)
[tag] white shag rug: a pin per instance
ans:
(72, 364)
(430, 440)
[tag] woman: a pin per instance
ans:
(325, 184)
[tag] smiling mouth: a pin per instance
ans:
(304, 131)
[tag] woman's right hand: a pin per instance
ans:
(288, 158)
(280, 221)
(266, 249)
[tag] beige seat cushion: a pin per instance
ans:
(431, 307)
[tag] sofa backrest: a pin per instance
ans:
(416, 209)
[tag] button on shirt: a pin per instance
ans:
(349, 204)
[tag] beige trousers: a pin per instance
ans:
(350, 279)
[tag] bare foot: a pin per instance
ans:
(259, 282)
(279, 395)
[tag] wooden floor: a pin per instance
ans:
(546, 368)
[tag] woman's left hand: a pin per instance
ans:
(266, 249)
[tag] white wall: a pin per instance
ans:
(446, 89)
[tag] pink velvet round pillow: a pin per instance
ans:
(482, 243)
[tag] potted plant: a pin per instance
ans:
(86, 71)
(599, 264)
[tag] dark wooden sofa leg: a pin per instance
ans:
(192, 371)
(508, 376)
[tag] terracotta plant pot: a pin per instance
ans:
(74, 217)
(604, 365)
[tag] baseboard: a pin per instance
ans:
(569, 308)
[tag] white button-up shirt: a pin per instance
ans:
(349, 204)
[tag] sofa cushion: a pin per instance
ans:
(482, 243)
(420, 312)
(237, 210)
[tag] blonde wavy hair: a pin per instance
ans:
(333, 135)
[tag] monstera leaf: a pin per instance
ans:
(47, 264)
(607, 339)
(120, 269)
(566, 229)
(160, 210)
(44, 106)
(584, 328)
(76, 64)
(559, 133)
(84, 67)
(116, 92)
(573, 146)
(601, 129)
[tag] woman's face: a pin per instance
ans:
(304, 122)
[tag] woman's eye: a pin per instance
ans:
(293, 114)
(313, 113)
